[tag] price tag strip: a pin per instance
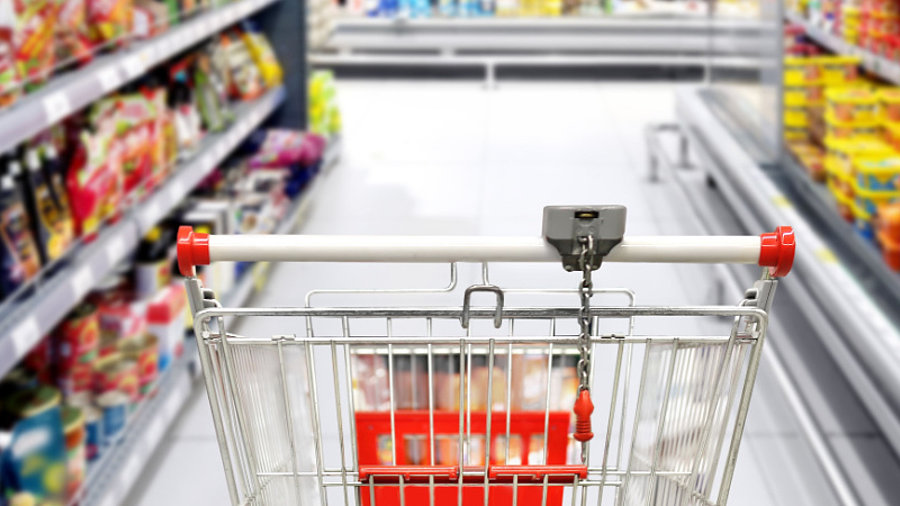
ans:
(56, 107)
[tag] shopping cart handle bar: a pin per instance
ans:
(523, 474)
(774, 250)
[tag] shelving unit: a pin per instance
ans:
(520, 43)
(854, 320)
(878, 65)
(113, 476)
(71, 91)
(57, 292)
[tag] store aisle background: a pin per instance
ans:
(454, 158)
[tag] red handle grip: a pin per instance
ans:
(776, 250)
(192, 249)
(583, 409)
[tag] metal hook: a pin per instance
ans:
(498, 313)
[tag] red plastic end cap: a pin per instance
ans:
(776, 251)
(583, 409)
(193, 249)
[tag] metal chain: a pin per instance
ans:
(585, 291)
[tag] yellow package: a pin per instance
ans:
(799, 71)
(843, 152)
(852, 104)
(838, 129)
(264, 57)
(890, 104)
(839, 70)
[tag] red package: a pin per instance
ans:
(110, 20)
(73, 44)
(34, 39)
(10, 82)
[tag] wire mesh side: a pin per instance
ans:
(289, 408)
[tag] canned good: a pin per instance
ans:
(77, 337)
(76, 459)
(852, 104)
(890, 104)
(144, 351)
(115, 414)
(114, 372)
(34, 401)
(93, 432)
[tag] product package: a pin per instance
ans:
(18, 249)
(94, 181)
(34, 40)
(110, 20)
(10, 81)
(35, 460)
(264, 56)
(246, 82)
(212, 100)
(150, 18)
(73, 44)
(50, 223)
(165, 321)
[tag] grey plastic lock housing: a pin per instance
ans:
(564, 226)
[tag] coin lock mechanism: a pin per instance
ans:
(583, 236)
(566, 227)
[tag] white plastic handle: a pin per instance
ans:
(774, 250)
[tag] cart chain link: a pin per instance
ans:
(585, 291)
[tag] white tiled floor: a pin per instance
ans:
(454, 158)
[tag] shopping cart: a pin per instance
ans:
(473, 405)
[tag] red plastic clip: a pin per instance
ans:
(583, 409)
(776, 251)
(193, 249)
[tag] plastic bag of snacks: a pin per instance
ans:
(72, 37)
(246, 83)
(34, 41)
(10, 83)
(94, 180)
(110, 20)
(264, 57)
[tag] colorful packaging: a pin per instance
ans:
(153, 265)
(801, 70)
(115, 373)
(93, 429)
(110, 20)
(890, 104)
(34, 40)
(150, 18)
(50, 226)
(143, 351)
(880, 173)
(35, 460)
(838, 129)
(852, 104)
(839, 70)
(72, 36)
(76, 450)
(114, 405)
(246, 81)
(94, 181)
(265, 58)
(76, 344)
(10, 81)
(213, 106)
(18, 249)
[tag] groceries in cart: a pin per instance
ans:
(505, 404)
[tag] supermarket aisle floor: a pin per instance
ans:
(453, 158)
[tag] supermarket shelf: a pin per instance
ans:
(875, 64)
(532, 61)
(71, 91)
(868, 264)
(253, 278)
(110, 480)
(856, 327)
(625, 35)
(55, 294)
(120, 464)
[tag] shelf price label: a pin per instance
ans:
(56, 107)
(115, 249)
(137, 64)
(110, 78)
(82, 281)
(25, 335)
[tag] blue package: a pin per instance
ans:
(35, 460)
